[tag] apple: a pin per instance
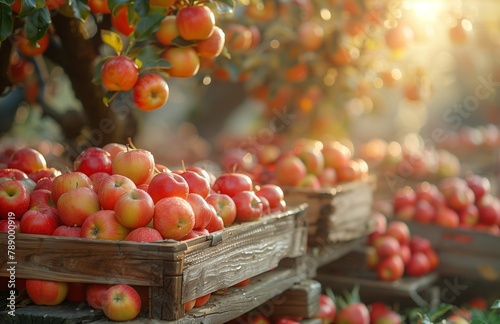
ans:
(137, 165)
(387, 246)
(45, 183)
(69, 181)
(232, 183)
(173, 217)
(189, 305)
(46, 292)
(96, 179)
(402, 197)
(167, 31)
(479, 185)
(377, 310)
(122, 21)
(44, 173)
(447, 217)
(489, 210)
(111, 188)
(134, 208)
(313, 159)
(203, 211)
(399, 37)
(27, 160)
(14, 174)
(391, 268)
(248, 206)
(405, 212)
(99, 6)
(114, 148)
(429, 192)
(27, 48)
(197, 183)
(328, 177)
(274, 195)
(213, 45)
(202, 300)
(418, 265)
(310, 181)
(216, 224)
(290, 170)
(354, 313)
(7, 225)
(419, 244)
(168, 184)
(144, 234)
(469, 216)
(195, 22)
(433, 258)
(372, 258)
(336, 154)
(76, 205)
(380, 226)
(92, 160)
(238, 37)
(224, 207)
(425, 212)
(121, 303)
(266, 209)
(14, 199)
(77, 292)
(103, 225)
(150, 92)
(327, 309)
(390, 317)
(185, 62)
(119, 73)
(460, 197)
(41, 197)
(400, 231)
(94, 294)
(68, 231)
(42, 221)
(202, 172)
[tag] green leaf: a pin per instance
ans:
(114, 4)
(147, 53)
(181, 42)
(496, 304)
(440, 311)
(225, 6)
(37, 23)
(141, 7)
(6, 21)
(148, 25)
(77, 9)
(7, 2)
(159, 65)
(108, 97)
(113, 40)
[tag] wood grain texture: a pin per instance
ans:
(301, 300)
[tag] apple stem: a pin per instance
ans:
(131, 144)
(183, 166)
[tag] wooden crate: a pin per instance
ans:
(175, 272)
(463, 252)
(336, 214)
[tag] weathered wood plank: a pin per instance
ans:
(301, 300)
(67, 313)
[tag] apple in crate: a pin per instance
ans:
(232, 183)
(197, 183)
(76, 205)
(27, 160)
(391, 268)
(327, 309)
(93, 294)
(173, 218)
(137, 165)
(68, 231)
(14, 199)
(14, 174)
(290, 170)
(121, 303)
(69, 181)
(224, 207)
(103, 225)
(168, 184)
(50, 173)
(46, 292)
(92, 160)
(111, 188)
(41, 197)
(248, 206)
(203, 211)
(114, 148)
(42, 221)
(134, 208)
(144, 234)
(9, 225)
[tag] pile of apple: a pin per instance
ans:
(393, 252)
(454, 202)
(309, 163)
(120, 193)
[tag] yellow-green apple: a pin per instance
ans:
(93, 294)
(42, 221)
(195, 22)
(274, 195)
(46, 292)
(213, 45)
(119, 73)
(137, 165)
(14, 199)
(418, 265)
(200, 301)
(144, 234)
(167, 31)
(92, 160)
(390, 268)
(27, 160)
(168, 184)
(313, 160)
(44, 173)
(103, 225)
(197, 183)
(76, 292)
(289, 170)
(76, 205)
(134, 208)
(150, 92)
(121, 303)
(111, 188)
(184, 61)
(224, 206)
(96, 179)
(14, 174)
(446, 217)
(489, 209)
(7, 225)
(387, 246)
(41, 197)
(335, 154)
(203, 211)
(310, 181)
(232, 183)
(45, 183)
(114, 148)
(399, 230)
(68, 231)
(69, 181)
(173, 217)
(328, 177)
(248, 206)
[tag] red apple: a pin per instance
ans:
(336, 154)
(195, 23)
(328, 177)
(203, 211)
(45, 183)
(425, 212)
(216, 224)
(94, 294)
(173, 218)
(248, 206)
(134, 208)
(327, 309)
(103, 225)
(418, 265)
(387, 246)
(150, 92)
(405, 212)
(77, 292)
(111, 188)
(14, 199)
(189, 305)
(184, 61)
(68, 231)
(121, 303)
(469, 216)
(46, 292)
(213, 45)
(12, 225)
(43, 221)
(41, 197)
(419, 244)
(459, 198)
(137, 165)
(447, 217)
(403, 197)
(232, 183)
(69, 181)
(96, 179)
(313, 159)
(405, 254)
(76, 205)
(479, 185)
(27, 160)
(14, 174)
(266, 209)
(197, 183)
(200, 301)
(274, 194)
(224, 207)
(489, 210)
(433, 258)
(372, 258)
(429, 192)
(390, 317)
(114, 148)
(399, 230)
(92, 160)
(168, 184)
(377, 310)
(289, 170)
(391, 268)
(380, 226)
(144, 234)
(119, 73)
(354, 313)
(44, 173)
(310, 181)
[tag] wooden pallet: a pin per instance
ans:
(175, 272)
(336, 214)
